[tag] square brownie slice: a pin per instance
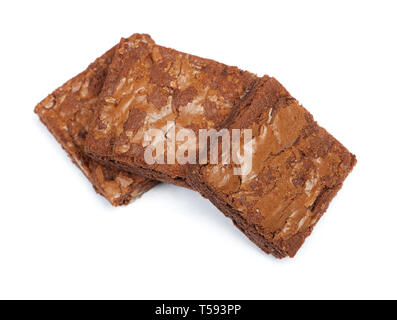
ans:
(297, 168)
(67, 112)
(150, 86)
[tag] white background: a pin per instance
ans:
(59, 239)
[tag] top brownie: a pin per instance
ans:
(67, 113)
(150, 87)
(296, 169)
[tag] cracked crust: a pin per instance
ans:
(297, 168)
(67, 112)
(149, 85)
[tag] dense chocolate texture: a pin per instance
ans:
(297, 168)
(68, 111)
(149, 85)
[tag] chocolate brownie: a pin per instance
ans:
(150, 86)
(67, 112)
(297, 168)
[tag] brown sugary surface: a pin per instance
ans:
(148, 86)
(297, 168)
(67, 112)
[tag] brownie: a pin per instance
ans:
(150, 86)
(67, 112)
(297, 168)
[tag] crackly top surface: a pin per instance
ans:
(149, 85)
(295, 163)
(68, 111)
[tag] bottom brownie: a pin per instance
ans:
(297, 168)
(67, 112)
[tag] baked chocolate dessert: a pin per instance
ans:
(150, 87)
(297, 168)
(67, 112)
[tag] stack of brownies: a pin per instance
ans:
(101, 117)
